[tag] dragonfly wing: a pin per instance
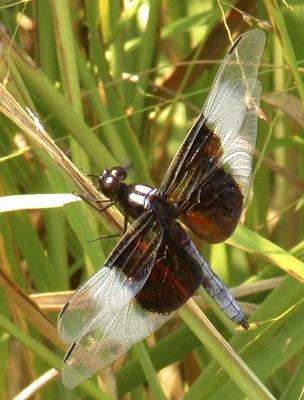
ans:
(213, 209)
(117, 282)
(213, 165)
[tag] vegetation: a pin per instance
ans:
(118, 83)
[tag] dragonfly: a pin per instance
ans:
(155, 267)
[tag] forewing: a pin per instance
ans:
(217, 152)
(116, 283)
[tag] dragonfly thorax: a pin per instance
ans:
(137, 198)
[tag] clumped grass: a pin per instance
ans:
(118, 83)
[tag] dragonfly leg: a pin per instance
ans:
(124, 230)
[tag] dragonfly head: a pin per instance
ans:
(110, 180)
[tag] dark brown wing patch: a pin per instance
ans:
(175, 276)
(214, 211)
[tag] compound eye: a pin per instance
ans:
(103, 175)
(109, 186)
(119, 172)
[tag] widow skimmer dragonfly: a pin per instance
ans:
(155, 268)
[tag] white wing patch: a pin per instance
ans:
(112, 336)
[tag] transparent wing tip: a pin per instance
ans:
(72, 377)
